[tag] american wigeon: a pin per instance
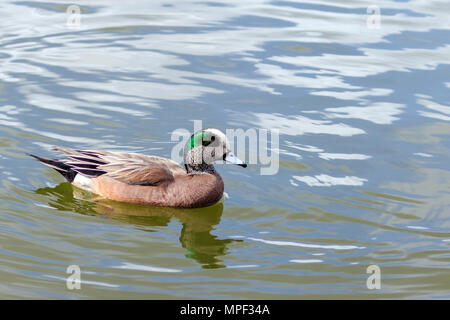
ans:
(152, 180)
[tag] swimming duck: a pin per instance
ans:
(152, 180)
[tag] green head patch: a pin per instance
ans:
(202, 138)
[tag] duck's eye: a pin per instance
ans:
(208, 142)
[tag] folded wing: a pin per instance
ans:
(130, 168)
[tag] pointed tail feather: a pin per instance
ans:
(58, 165)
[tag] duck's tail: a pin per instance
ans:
(64, 169)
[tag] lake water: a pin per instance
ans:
(362, 107)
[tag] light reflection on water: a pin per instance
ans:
(363, 116)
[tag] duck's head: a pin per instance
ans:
(206, 146)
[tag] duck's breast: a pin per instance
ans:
(199, 190)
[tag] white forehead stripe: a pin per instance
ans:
(217, 133)
(220, 135)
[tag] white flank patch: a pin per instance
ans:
(82, 182)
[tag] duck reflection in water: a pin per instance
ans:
(198, 224)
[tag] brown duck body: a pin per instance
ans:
(137, 178)
(185, 191)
